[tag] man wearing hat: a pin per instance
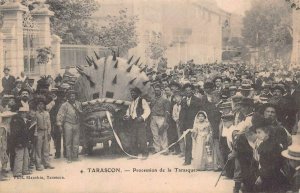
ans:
(190, 106)
(211, 94)
(23, 100)
(68, 118)
(136, 115)
(287, 109)
(243, 110)
(8, 82)
(29, 86)
(55, 132)
(17, 88)
(4, 130)
(269, 111)
(43, 128)
(293, 156)
(20, 135)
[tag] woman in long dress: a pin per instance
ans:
(201, 137)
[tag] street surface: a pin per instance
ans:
(93, 174)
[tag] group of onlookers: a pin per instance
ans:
(239, 122)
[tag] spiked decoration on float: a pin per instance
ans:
(94, 63)
(130, 82)
(143, 69)
(114, 56)
(80, 71)
(97, 57)
(128, 62)
(116, 64)
(129, 68)
(145, 82)
(88, 61)
(137, 61)
(115, 80)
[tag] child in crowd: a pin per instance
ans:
(201, 135)
(293, 156)
(175, 115)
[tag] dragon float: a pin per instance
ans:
(104, 86)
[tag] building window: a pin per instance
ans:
(26, 64)
(32, 64)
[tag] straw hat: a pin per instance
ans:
(293, 152)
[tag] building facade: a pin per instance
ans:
(190, 29)
(23, 32)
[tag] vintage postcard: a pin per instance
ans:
(149, 96)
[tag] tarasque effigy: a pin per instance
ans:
(104, 87)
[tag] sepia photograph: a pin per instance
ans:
(150, 96)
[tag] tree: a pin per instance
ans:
(155, 48)
(267, 26)
(119, 33)
(71, 19)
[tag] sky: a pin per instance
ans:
(234, 6)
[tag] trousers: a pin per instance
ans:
(71, 132)
(42, 149)
(181, 143)
(160, 139)
(21, 160)
(137, 138)
(188, 148)
(57, 136)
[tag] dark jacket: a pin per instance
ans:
(188, 113)
(214, 118)
(8, 84)
(271, 162)
(248, 165)
(19, 131)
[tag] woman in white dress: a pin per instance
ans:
(201, 135)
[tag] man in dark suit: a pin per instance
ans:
(190, 106)
(8, 82)
(20, 134)
(257, 82)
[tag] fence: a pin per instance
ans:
(74, 55)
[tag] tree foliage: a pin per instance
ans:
(155, 48)
(119, 33)
(268, 25)
(44, 55)
(71, 19)
(73, 22)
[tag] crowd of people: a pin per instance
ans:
(233, 119)
(30, 119)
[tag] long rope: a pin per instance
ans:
(158, 153)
